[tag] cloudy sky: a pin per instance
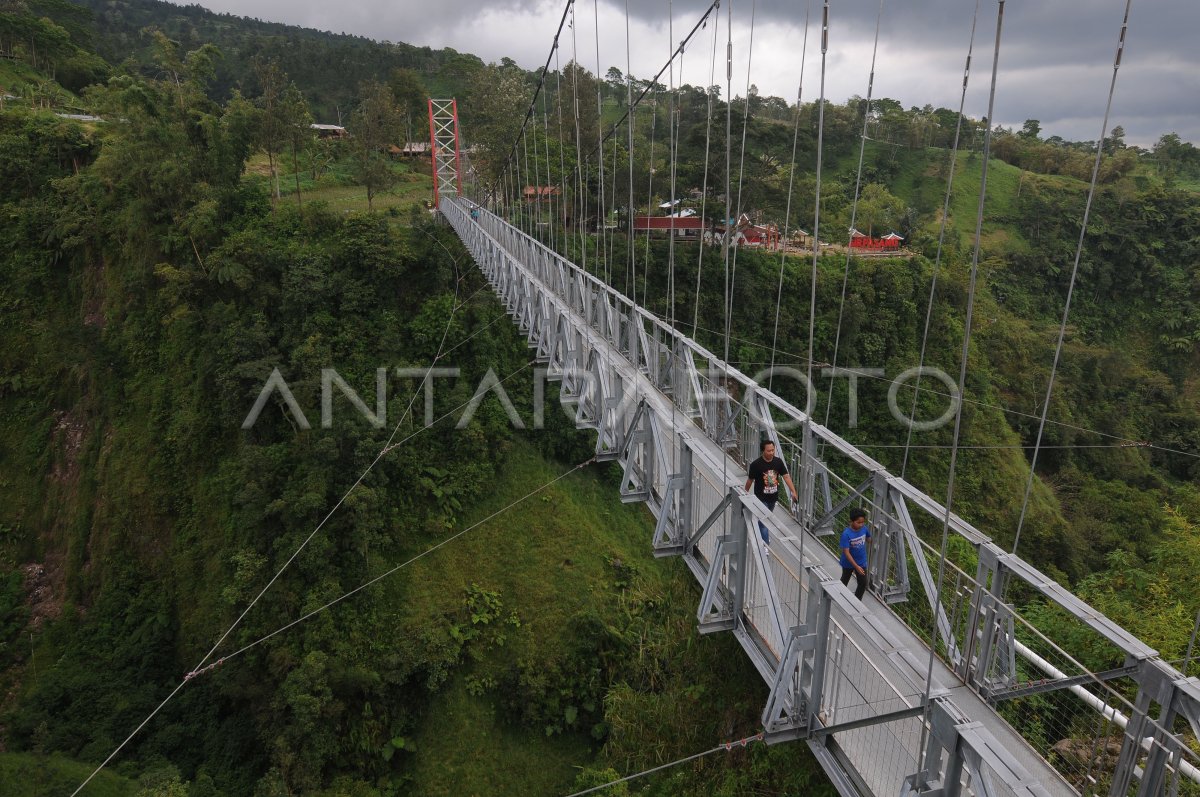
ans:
(1055, 55)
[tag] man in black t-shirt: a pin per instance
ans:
(765, 473)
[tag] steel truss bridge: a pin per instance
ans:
(1009, 711)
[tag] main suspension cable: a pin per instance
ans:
(787, 214)
(937, 260)
(654, 80)
(962, 378)
(541, 82)
(1062, 327)
(862, 148)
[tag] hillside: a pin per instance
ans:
(329, 66)
(139, 519)
(32, 775)
(158, 265)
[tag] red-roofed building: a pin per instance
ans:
(757, 235)
(684, 226)
(538, 193)
(888, 243)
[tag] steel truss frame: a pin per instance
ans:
(445, 151)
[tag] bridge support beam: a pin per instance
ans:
(954, 744)
(675, 521)
(794, 702)
(988, 659)
(724, 593)
(889, 561)
(1150, 749)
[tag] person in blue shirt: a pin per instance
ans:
(854, 551)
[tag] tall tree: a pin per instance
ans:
(616, 84)
(373, 126)
(411, 98)
(878, 207)
(497, 98)
(297, 129)
(272, 82)
(1115, 141)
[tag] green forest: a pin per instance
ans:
(188, 233)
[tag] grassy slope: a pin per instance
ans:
(338, 189)
(549, 559)
(18, 79)
(30, 775)
(466, 749)
(921, 180)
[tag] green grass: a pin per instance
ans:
(354, 197)
(549, 557)
(30, 775)
(1189, 184)
(338, 188)
(921, 179)
(19, 79)
(466, 749)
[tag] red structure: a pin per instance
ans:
(683, 226)
(758, 235)
(888, 243)
(755, 236)
(536, 193)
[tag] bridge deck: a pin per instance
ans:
(893, 651)
(912, 662)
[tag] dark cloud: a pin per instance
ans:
(1055, 59)
(1055, 56)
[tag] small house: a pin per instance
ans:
(756, 236)
(330, 131)
(800, 239)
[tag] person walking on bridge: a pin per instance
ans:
(765, 473)
(854, 551)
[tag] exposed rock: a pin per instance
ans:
(44, 603)
(68, 433)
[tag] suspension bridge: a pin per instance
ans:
(935, 684)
